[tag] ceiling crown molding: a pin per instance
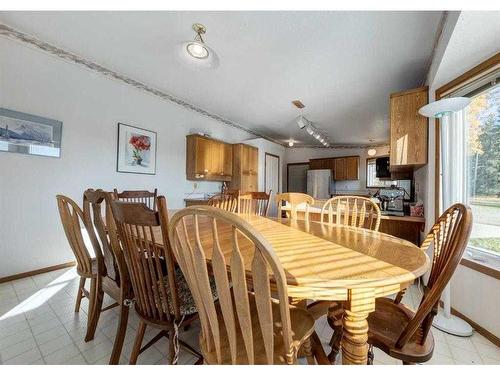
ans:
(12, 33)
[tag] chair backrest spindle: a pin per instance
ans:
(352, 211)
(249, 253)
(74, 224)
(154, 286)
(294, 200)
(449, 237)
(254, 203)
(139, 196)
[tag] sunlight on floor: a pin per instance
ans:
(43, 295)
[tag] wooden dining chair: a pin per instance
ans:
(112, 275)
(161, 295)
(254, 203)
(138, 196)
(73, 222)
(227, 201)
(241, 327)
(353, 211)
(395, 328)
(293, 200)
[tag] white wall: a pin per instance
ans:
(298, 155)
(90, 106)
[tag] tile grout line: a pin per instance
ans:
(29, 326)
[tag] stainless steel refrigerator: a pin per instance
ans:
(320, 183)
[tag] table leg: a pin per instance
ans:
(355, 326)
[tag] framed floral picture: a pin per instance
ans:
(136, 150)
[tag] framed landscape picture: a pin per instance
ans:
(136, 150)
(29, 134)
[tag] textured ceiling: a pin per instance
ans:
(342, 65)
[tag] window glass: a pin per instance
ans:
(371, 176)
(483, 122)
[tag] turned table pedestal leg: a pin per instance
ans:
(355, 326)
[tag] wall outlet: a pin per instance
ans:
(195, 185)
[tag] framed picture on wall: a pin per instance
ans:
(136, 150)
(29, 134)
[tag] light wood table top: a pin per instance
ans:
(324, 261)
(333, 262)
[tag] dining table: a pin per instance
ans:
(324, 262)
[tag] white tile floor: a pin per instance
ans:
(38, 326)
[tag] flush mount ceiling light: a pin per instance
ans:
(196, 52)
(444, 107)
(372, 151)
(290, 144)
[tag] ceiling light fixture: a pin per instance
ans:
(196, 52)
(444, 107)
(303, 122)
(290, 144)
(372, 151)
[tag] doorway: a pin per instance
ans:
(272, 179)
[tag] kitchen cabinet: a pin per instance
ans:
(340, 169)
(208, 159)
(245, 168)
(343, 168)
(352, 168)
(346, 168)
(409, 130)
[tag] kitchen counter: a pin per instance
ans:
(195, 201)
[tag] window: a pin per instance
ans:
(371, 176)
(482, 119)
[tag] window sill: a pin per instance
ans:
(489, 265)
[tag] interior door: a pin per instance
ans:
(272, 179)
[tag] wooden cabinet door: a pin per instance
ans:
(214, 166)
(314, 164)
(227, 160)
(245, 160)
(340, 169)
(408, 128)
(352, 168)
(202, 155)
(253, 162)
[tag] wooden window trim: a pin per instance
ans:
(471, 75)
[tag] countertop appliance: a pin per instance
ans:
(320, 183)
(392, 200)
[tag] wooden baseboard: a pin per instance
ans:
(483, 331)
(36, 272)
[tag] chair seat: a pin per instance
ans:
(302, 326)
(186, 300)
(387, 323)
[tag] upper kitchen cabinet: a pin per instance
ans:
(208, 159)
(409, 130)
(343, 168)
(346, 168)
(245, 168)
